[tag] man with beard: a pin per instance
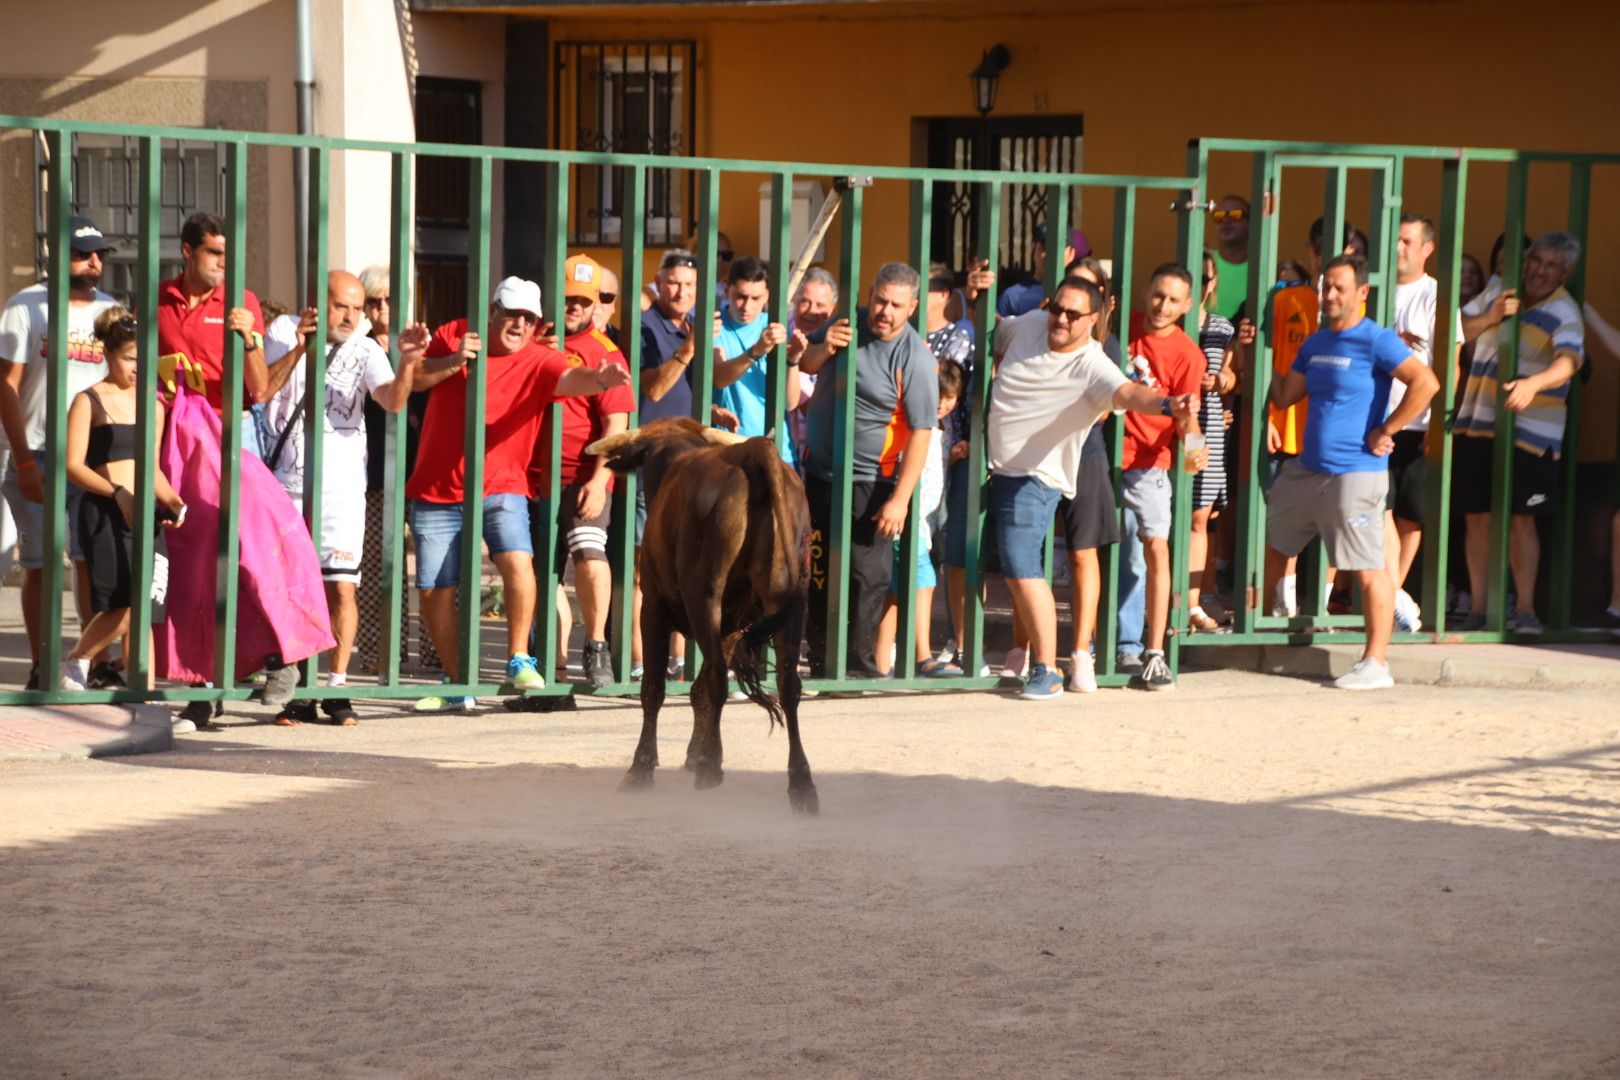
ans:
(24, 362)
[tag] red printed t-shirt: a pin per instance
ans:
(198, 333)
(585, 416)
(1170, 365)
(519, 386)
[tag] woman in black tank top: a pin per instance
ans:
(101, 447)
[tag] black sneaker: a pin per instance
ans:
(33, 678)
(1127, 663)
(1609, 621)
(201, 713)
(340, 711)
(598, 664)
(1155, 673)
(106, 677)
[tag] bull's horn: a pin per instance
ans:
(721, 437)
(613, 442)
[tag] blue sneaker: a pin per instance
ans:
(523, 673)
(1043, 684)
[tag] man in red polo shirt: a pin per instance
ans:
(1165, 359)
(192, 322)
(522, 377)
(584, 508)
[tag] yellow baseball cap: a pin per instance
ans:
(582, 277)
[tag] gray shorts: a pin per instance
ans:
(30, 517)
(1146, 493)
(1346, 510)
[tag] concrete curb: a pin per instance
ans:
(1420, 665)
(150, 731)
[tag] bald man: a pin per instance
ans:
(608, 306)
(355, 367)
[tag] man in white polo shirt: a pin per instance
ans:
(1053, 385)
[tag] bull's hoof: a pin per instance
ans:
(709, 777)
(637, 780)
(804, 800)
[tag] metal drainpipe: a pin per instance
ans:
(305, 86)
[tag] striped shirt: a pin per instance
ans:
(1214, 338)
(1551, 327)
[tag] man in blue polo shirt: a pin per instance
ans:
(1336, 487)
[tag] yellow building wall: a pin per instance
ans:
(843, 84)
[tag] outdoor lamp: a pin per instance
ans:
(986, 75)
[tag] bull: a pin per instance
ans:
(724, 559)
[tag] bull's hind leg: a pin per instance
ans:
(801, 788)
(655, 664)
(708, 696)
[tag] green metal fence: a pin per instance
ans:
(481, 163)
(1387, 164)
(1186, 195)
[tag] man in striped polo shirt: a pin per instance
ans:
(1551, 349)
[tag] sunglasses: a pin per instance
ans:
(725, 256)
(517, 316)
(1063, 314)
(607, 297)
(1230, 215)
(671, 261)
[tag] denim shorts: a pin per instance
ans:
(436, 530)
(30, 516)
(1021, 508)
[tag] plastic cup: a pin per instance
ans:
(1190, 445)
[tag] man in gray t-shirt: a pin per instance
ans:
(895, 384)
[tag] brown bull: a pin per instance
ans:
(725, 559)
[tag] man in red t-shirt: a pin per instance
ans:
(584, 509)
(1165, 359)
(192, 322)
(522, 378)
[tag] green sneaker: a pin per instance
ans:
(523, 673)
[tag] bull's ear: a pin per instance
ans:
(613, 442)
(721, 437)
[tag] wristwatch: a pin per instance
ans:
(251, 340)
(1164, 406)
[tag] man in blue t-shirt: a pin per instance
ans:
(1337, 485)
(742, 353)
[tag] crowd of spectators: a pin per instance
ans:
(1346, 412)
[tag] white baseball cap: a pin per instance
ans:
(517, 294)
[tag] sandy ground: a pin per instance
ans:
(1251, 877)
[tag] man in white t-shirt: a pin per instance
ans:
(25, 356)
(1053, 384)
(356, 366)
(1416, 300)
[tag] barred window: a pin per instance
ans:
(627, 97)
(106, 188)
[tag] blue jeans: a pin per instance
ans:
(1132, 589)
(436, 529)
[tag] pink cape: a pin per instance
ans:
(280, 600)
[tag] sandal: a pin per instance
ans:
(935, 668)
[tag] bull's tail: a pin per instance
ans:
(780, 573)
(747, 651)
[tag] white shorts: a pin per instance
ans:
(343, 537)
(343, 533)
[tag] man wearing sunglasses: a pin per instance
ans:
(1054, 383)
(1231, 218)
(584, 506)
(24, 361)
(522, 378)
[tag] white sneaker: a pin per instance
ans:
(1285, 603)
(1368, 674)
(1408, 617)
(75, 673)
(1082, 673)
